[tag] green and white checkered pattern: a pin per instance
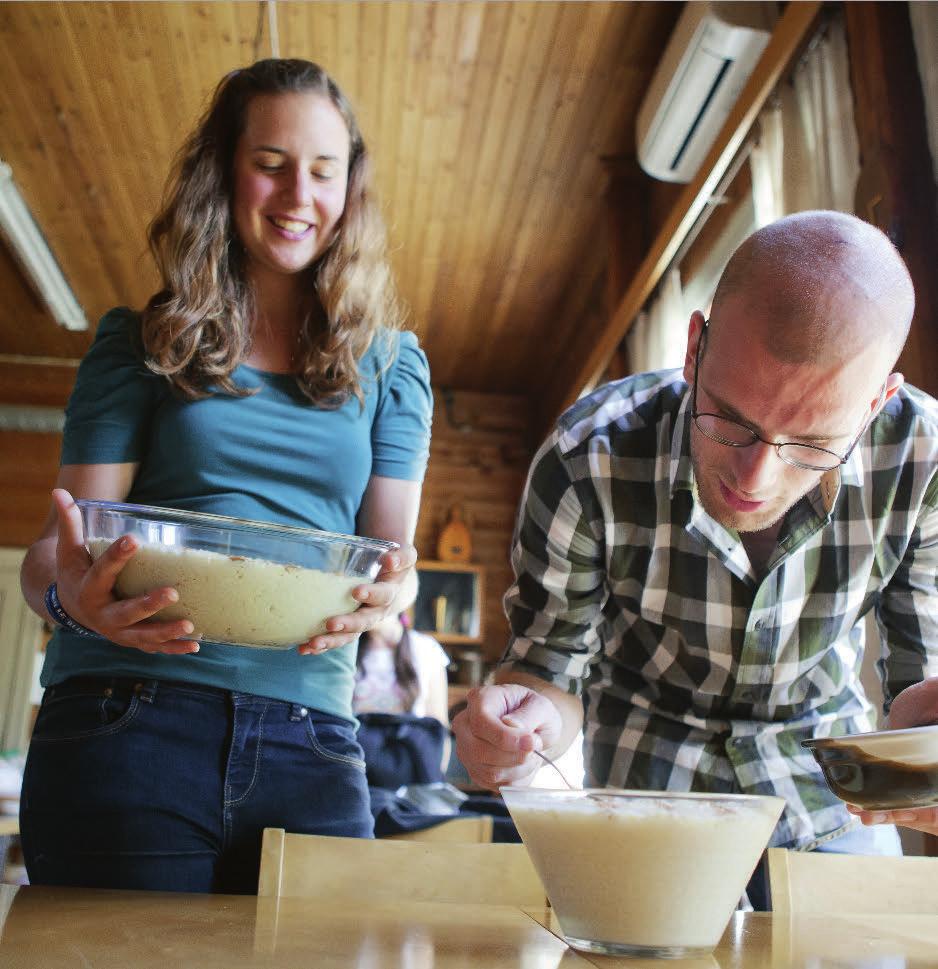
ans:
(699, 675)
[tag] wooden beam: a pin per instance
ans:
(787, 39)
(42, 381)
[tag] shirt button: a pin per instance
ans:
(303, 711)
(760, 624)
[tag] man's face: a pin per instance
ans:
(749, 489)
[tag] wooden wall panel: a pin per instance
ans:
(28, 467)
(479, 458)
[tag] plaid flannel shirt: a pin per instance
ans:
(697, 674)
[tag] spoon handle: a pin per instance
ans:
(547, 760)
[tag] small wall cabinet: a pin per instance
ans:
(449, 602)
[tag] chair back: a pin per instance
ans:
(364, 870)
(822, 883)
(473, 828)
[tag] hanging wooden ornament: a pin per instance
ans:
(455, 543)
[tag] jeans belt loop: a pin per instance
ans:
(146, 690)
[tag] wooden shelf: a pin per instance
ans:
(449, 602)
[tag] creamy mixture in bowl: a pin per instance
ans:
(643, 873)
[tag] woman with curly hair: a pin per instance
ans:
(268, 379)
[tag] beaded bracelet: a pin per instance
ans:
(61, 617)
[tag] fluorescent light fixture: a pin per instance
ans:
(28, 243)
(32, 419)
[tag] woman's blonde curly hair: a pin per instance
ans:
(197, 329)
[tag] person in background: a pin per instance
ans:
(400, 670)
(400, 699)
(269, 379)
(696, 552)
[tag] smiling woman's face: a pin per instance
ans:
(290, 180)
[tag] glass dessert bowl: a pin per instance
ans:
(643, 873)
(240, 582)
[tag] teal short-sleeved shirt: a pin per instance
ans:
(271, 457)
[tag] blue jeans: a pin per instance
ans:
(879, 839)
(168, 786)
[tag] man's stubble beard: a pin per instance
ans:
(733, 520)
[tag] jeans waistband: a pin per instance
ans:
(147, 689)
(146, 686)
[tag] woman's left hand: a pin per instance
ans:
(378, 600)
(916, 706)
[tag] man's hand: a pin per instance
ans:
(920, 819)
(499, 730)
(916, 706)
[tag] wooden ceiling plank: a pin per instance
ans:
(349, 44)
(408, 141)
(384, 141)
(133, 158)
(787, 38)
(371, 69)
(449, 219)
(548, 195)
(452, 288)
(310, 31)
(431, 34)
(382, 133)
(539, 210)
(520, 101)
(157, 79)
(115, 177)
(445, 113)
(614, 93)
(83, 238)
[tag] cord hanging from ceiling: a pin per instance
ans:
(272, 28)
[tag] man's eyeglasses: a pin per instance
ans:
(733, 433)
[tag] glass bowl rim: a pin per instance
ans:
(179, 516)
(628, 793)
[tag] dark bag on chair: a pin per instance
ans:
(401, 748)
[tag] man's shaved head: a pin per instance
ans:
(820, 286)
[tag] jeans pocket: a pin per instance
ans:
(84, 713)
(335, 742)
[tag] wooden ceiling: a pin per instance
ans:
(488, 122)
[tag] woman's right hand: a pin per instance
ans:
(86, 590)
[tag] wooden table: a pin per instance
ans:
(71, 928)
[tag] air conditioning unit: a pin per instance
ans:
(711, 53)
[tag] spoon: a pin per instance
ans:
(610, 799)
(547, 760)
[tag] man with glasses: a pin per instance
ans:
(696, 553)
